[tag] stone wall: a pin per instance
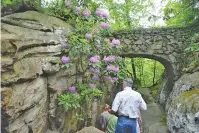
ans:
(32, 78)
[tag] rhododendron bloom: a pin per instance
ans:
(88, 36)
(116, 69)
(115, 79)
(102, 13)
(72, 89)
(77, 10)
(96, 78)
(105, 14)
(86, 12)
(104, 25)
(95, 59)
(109, 59)
(65, 59)
(115, 42)
(112, 68)
(65, 44)
(92, 85)
(94, 70)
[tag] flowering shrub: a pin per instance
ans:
(89, 41)
(78, 96)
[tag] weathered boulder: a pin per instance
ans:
(183, 103)
(31, 46)
(89, 130)
(27, 105)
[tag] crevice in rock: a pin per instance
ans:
(23, 48)
(38, 54)
(19, 24)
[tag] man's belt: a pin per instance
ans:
(128, 117)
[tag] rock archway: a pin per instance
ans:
(167, 88)
(165, 45)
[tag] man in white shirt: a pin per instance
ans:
(128, 104)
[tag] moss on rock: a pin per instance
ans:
(188, 101)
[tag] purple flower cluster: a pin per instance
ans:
(86, 12)
(104, 25)
(94, 70)
(65, 59)
(115, 42)
(77, 10)
(95, 78)
(92, 85)
(110, 79)
(88, 36)
(72, 89)
(95, 59)
(65, 44)
(109, 59)
(102, 13)
(112, 68)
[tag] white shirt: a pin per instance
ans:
(128, 103)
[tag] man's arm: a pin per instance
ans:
(143, 105)
(140, 121)
(116, 104)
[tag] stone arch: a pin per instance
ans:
(169, 81)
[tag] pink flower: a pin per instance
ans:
(65, 59)
(86, 12)
(112, 68)
(114, 79)
(94, 31)
(116, 69)
(77, 10)
(94, 70)
(72, 89)
(88, 36)
(105, 14)
(96, 78)
(65, 44)
(109, 59)
(102, 13)
(95, 59)
(92, 85)
(104, 25)
(115, 42)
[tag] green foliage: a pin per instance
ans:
(194, 45)
(125, 14)
(181, 12)
(83, 94)
(78, 117)
(69, 101)
(145, 71)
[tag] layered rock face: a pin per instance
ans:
(30, 49)
(183, 104)
(32, 77)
